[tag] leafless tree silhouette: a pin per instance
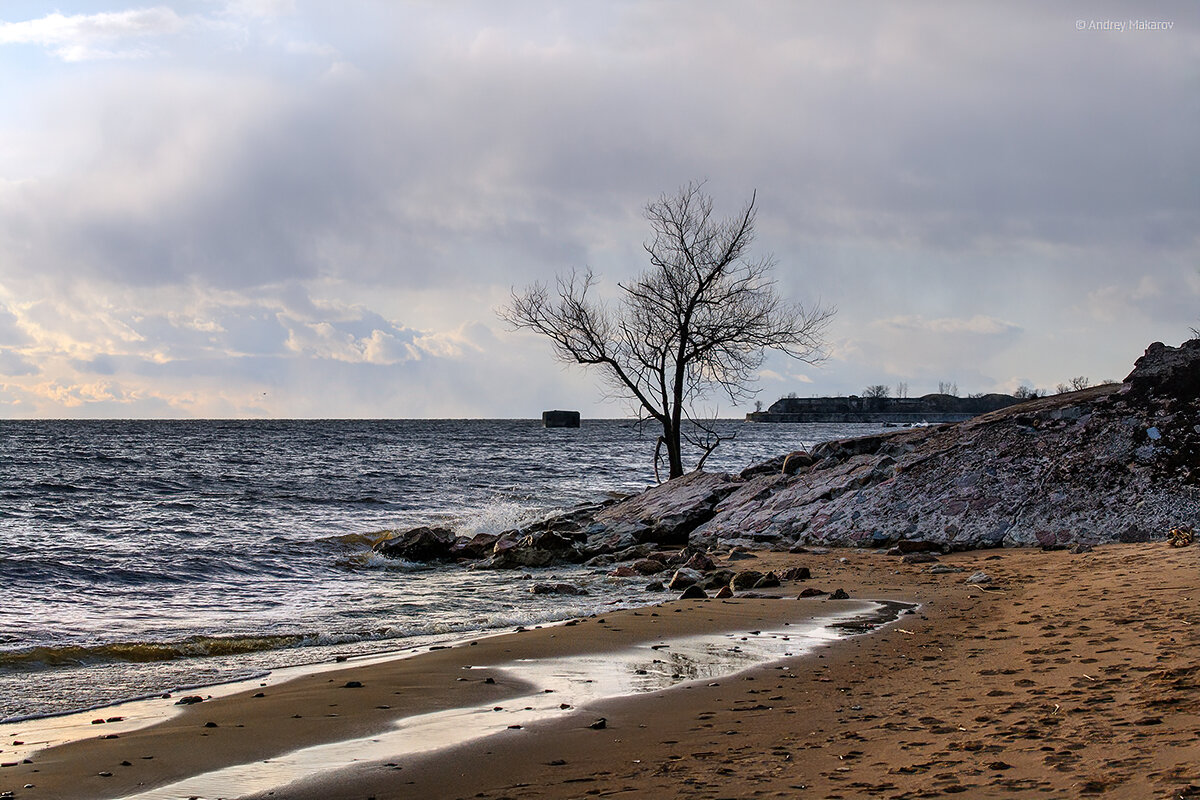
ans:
(694, 325)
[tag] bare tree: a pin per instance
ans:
(946, 387)
(695, 324)
(902, 389)
(1025, 392)
(877, 390)
(1080, 382)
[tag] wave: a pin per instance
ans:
(148, 652)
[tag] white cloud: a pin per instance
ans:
(977, 324)
(81, 37)
(260, 8)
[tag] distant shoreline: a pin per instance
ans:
(897, 410)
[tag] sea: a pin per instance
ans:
(145, 557)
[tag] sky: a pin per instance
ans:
(283, 208)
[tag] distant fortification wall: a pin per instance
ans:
(930, 408)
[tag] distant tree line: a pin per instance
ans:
(1023, 392)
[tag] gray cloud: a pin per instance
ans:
(291, 204)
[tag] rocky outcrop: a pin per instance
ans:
(1104, 464)
(1112, 463)
(666, 514)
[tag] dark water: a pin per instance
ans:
(140, 555)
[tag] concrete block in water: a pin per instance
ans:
(560, 419)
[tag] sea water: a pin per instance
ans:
(137, 557)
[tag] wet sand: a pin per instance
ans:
(1067, 676)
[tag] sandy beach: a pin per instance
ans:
(1069, 675)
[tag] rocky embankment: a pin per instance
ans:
(1112, 463)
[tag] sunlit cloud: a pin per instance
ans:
(83, 37)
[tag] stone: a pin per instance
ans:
(724, 593)
(944, 569)
(693, 592)
(810, 592)
(669, 512)
(767, 581)
(715, 580)
(623, 571)
(478, 546)
(795, 574)
(839, 594)
(655, 586)
(701, 563)
(1077, 549)
(918, 558)
(746, 579)
(916, 546)
(648, 566)
(683, 578)
(556, 588)
(599, 725)
(979, 578)
(419, 544)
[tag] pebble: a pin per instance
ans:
(943, 569)
(599, 724)
(979, 577)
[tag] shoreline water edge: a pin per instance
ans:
(1043, 554)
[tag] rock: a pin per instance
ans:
(918, 558)
(655, 586)
(745, 579)
(701, 563)
(740, 555)
(795, 574)
(683, 578)
(788, 464)
(715, 580)
(1077, 549)
(648, 566)
(693, 592)
(188, 700)
(979, 578)
(669, 512)
(811, 592)
(768, 581)
(943, 569)
(916, 546)
(724, 593)
(419, 544)
(556, 588)
(599, 725)
(1106, 463)
(478, 546)
(624, 571)
(839, 594)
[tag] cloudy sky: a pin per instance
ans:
(285, 208)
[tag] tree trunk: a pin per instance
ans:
(674, 451)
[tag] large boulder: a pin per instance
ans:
(666, 514)
(419, 544)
